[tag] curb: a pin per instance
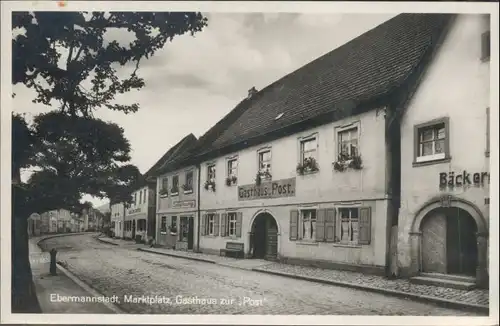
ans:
(417, 297)
(75, 279)
(106, 242)
(178, 256)
(89, 289)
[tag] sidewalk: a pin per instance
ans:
(477, 299)
(63, 284)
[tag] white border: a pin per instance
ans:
(237, 6)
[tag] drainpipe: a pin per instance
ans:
(198, 228)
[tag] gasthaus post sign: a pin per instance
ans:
(269, 189)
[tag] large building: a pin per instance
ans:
(444, 215)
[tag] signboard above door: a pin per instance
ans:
(269, 189)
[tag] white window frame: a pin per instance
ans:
(301, 228)
(269, 162)
(232, 171)
(211, 176)
(418, 144)
(343, 129)
(338, 236)
(210, 223)
(232, 217)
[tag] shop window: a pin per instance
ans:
(173, 224)
(184, 228)
(431, 141)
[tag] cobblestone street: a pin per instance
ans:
(115, 270)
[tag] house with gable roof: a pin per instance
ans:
(304, 174)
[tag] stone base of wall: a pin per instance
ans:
(368, 269)
(210, 251)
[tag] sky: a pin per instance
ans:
(196, 80)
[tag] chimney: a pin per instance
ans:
(251, 92)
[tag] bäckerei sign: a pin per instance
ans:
(269, 189)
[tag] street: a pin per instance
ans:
(181, 286)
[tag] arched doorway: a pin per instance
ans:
(449, 244)
(264, 237)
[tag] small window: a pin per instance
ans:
(210, 224)
(164, 183)
(211, 172)
(163, 227)
(232, 166)
(188, 186)
(308, 149)
(308, 224)
(431, 141)
(347, 146)
(231, 224)
(140, 197)
(175, 185)
(265, 163)
(349, 225)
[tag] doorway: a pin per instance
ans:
(264, 237)
(449, 244)
(190, 236)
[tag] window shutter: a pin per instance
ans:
(223, 225)
(330, 225)
(320, 225)
(203, 224)
(485, 45)
(216, 223)
(239, 219)
(294, 223)
(365, 226)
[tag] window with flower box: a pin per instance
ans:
(264, 159)
(188, 185)
(347, 146)
(175, 185)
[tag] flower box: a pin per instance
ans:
(210, 185)
(231, 180)
(348, 162)
(308, 166)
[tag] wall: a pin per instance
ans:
(182, 204)
(456, 85)
(322, 189)
(117, 217)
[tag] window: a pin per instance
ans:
(308, 224)
(349, 225)
(164, 184)
(188, 186)
(211, 172)
(347, 145)
(184, 228)
(231, 224)
(210, 224)
(232, 166)
(173, 224)
(175, 185)
(308, 149)
(432, 141)
(265, 162)
(485, 45)
(135, 198)
(163, 227)
(140, 197)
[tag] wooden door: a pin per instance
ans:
(272, 240)
(434, 243)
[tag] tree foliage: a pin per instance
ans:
(66, 56)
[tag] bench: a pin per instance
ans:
(234, 248)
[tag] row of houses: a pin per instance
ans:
(64, 221)
(373, 157)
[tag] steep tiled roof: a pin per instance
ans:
(369, 67)
(172, 154)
